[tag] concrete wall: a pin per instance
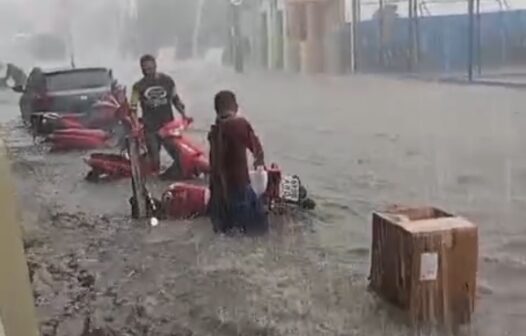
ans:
(17, 312)
(311, 30)
(312, 34)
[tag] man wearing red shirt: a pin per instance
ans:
(233, 203)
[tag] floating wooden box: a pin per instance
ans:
(424, 261)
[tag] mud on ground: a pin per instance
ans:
(99, 273)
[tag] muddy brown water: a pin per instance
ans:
(358, 143)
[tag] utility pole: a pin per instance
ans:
(411, 46)
(479, 42)
(416, 34)
(197, 27)
(71, 48)
(66, 26)
(381, 23)
(471, 29)
(354, 34)
(235, 35)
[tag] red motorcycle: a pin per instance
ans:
(72, 131)
(102, 116)
(78, 139)
(192, 160)
(185, 200)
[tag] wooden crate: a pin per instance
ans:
(424, 261)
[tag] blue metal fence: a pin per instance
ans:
(443, 43)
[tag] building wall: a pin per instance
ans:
(276, 39)
(306, 40)
(282, 7)
(311, 34)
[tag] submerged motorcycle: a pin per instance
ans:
(73, 131)
(192, 160)
(184, 200)
(181, 199)
(103, 115)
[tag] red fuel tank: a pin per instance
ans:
(184, 200)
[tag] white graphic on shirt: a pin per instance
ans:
(156, 96)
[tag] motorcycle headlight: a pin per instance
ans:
(167, 197)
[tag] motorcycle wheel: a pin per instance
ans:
(308, 204)
(93, 176)
(303, 192)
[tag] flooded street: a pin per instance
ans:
(358, 143)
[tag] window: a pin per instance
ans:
(77, 80)
(36, 80)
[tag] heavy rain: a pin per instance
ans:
(372, 104)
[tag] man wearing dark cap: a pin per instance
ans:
(234, 204)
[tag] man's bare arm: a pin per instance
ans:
(254, 145)
(179, 105)
(176, 100)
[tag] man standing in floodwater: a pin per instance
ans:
(156, 93)
(233, 204)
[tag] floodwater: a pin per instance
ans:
(358, 143)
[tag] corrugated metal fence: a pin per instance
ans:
(434, 36)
